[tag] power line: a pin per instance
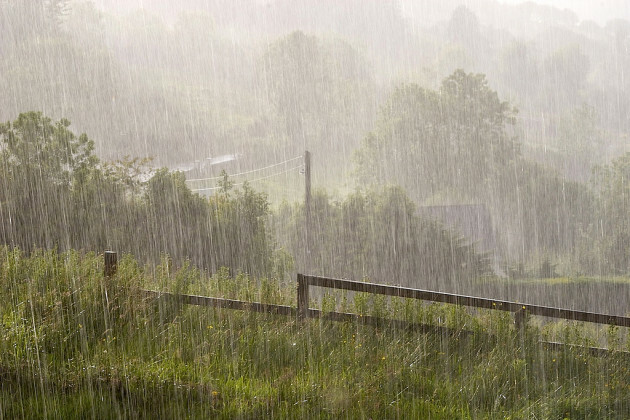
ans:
(246, 172)
(253, 180)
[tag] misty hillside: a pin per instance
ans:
(510, 107)
(161, 156)
(174, 82)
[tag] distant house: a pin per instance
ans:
(473, 221)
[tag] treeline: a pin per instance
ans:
(378, 234)
(197, 88)
(269, 80)
(453, 145)
(55, 193)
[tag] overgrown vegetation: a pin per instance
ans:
(75, 344)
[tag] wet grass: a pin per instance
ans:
(76, 345)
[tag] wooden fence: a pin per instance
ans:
(519, 309)
(303, 311)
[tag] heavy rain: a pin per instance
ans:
(315, 209)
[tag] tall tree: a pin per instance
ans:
(321, 91)
(611, 234)
(39, 159)
(430, 142)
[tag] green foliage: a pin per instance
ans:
(452, 146)
(429, 140)
(565, 72)
(127, 173)
(73, 344)
(32, 143)
(377, 234)
(540, 208)
(581, 142)
(611, 232)
(39, 162)
(55, 194)
(227, 230)
(322, 91)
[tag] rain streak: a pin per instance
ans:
(314, 209)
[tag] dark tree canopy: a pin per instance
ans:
(54, 193)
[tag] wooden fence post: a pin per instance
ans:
(111, 263)
(302, 297)
(520, 319)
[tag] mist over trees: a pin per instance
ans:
(506, 107)
(223, 149)
(429, 141)
(55, 193)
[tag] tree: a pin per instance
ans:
(452, 146)
(434, 141)
(55, 193)
(518, 70)
(464, 27)
(564, 80)
(33, 143)
(611, 233)
(28, 18)
(579, 139)
(320, 91)
(378, 234)
(40, 160)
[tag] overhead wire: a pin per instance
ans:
(250, 181)
(246, 172)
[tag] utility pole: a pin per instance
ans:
(307, 203)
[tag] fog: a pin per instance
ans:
(224, 147)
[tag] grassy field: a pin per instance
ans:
(76, 345)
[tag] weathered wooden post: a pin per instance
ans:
(520, 319)
(111, 263)
(302, 297)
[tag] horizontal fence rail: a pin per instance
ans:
(304, 281)
(222, 303)
(346, 317)
(292, 311)
(303, 311)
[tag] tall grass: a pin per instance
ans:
(74, 344)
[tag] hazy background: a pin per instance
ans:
(356, 83)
